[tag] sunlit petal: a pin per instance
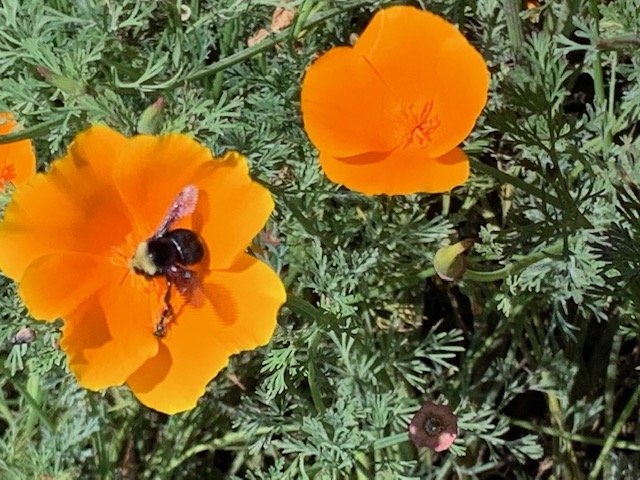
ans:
(347, 108)
(59, 283)
(405, 170)
(200, 344)
(109, 337)
(235, 208)
(73, 208)
(17, 159)
(151, 171)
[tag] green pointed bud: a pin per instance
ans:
(67, 85)
(450, 262)
(151, 118)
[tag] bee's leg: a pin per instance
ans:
(166, 315)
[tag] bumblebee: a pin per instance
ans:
(168, 253)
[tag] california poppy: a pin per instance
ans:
(388, 113)
(70, 236)
(17, 160)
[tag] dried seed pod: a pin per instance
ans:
(433, 426)
(24, 335)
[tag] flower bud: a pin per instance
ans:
(67, 85)
(151, 118)
(450, 262)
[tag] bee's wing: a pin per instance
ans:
(184, 204)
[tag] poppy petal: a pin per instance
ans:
(151, 171)
(7, 123)
(403, 171)
(57, 284)
(65, 210)
(429, 64)
(199, 346)
(258, 293)
(17, 156)
(236, 209)
(463, 80)
(401, 44)
(346, 107)
(111, 335)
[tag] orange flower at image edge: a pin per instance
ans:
(73, 238)
(388, 114)
(17, 160)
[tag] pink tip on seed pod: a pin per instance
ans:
(433, 426)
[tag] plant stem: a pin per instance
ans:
(574, 437)
(36, 131)
(530, 189)
(610, 441)
(517, 182)
(598, 80)
(249, 52)
(514, 24)
(515, 267)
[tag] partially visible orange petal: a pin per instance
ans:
(7, 123)
(402, 43)
(199, 346)
(234, 207)
(59, 283)
(151, 171)
(17, 159)
(259, 294)
(100, 146)
(108, 339)
(73, 208)
(463, 80)
(405, 170)
(347, 108)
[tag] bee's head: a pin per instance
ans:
(142, 262)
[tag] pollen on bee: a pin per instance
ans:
(141, 262)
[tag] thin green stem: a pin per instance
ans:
(517, 182)
(390, 441)
(612, 84)
(514, 24)
(33, 403)
(102, 457)
(38, 130)
(574, 437)
(316, 396)
(609, 386)
(619, 43)
(610, 380)
(610, 442)
(250, 52)
(598, 78)
(530, 189)
(515, 267)
(305, 309)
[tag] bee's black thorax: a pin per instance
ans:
(180, 246)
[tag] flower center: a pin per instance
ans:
(7, 172)
(432, 426)
(424, 123)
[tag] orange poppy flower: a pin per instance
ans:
(388, 113)
(78, 240)
(17, 160)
